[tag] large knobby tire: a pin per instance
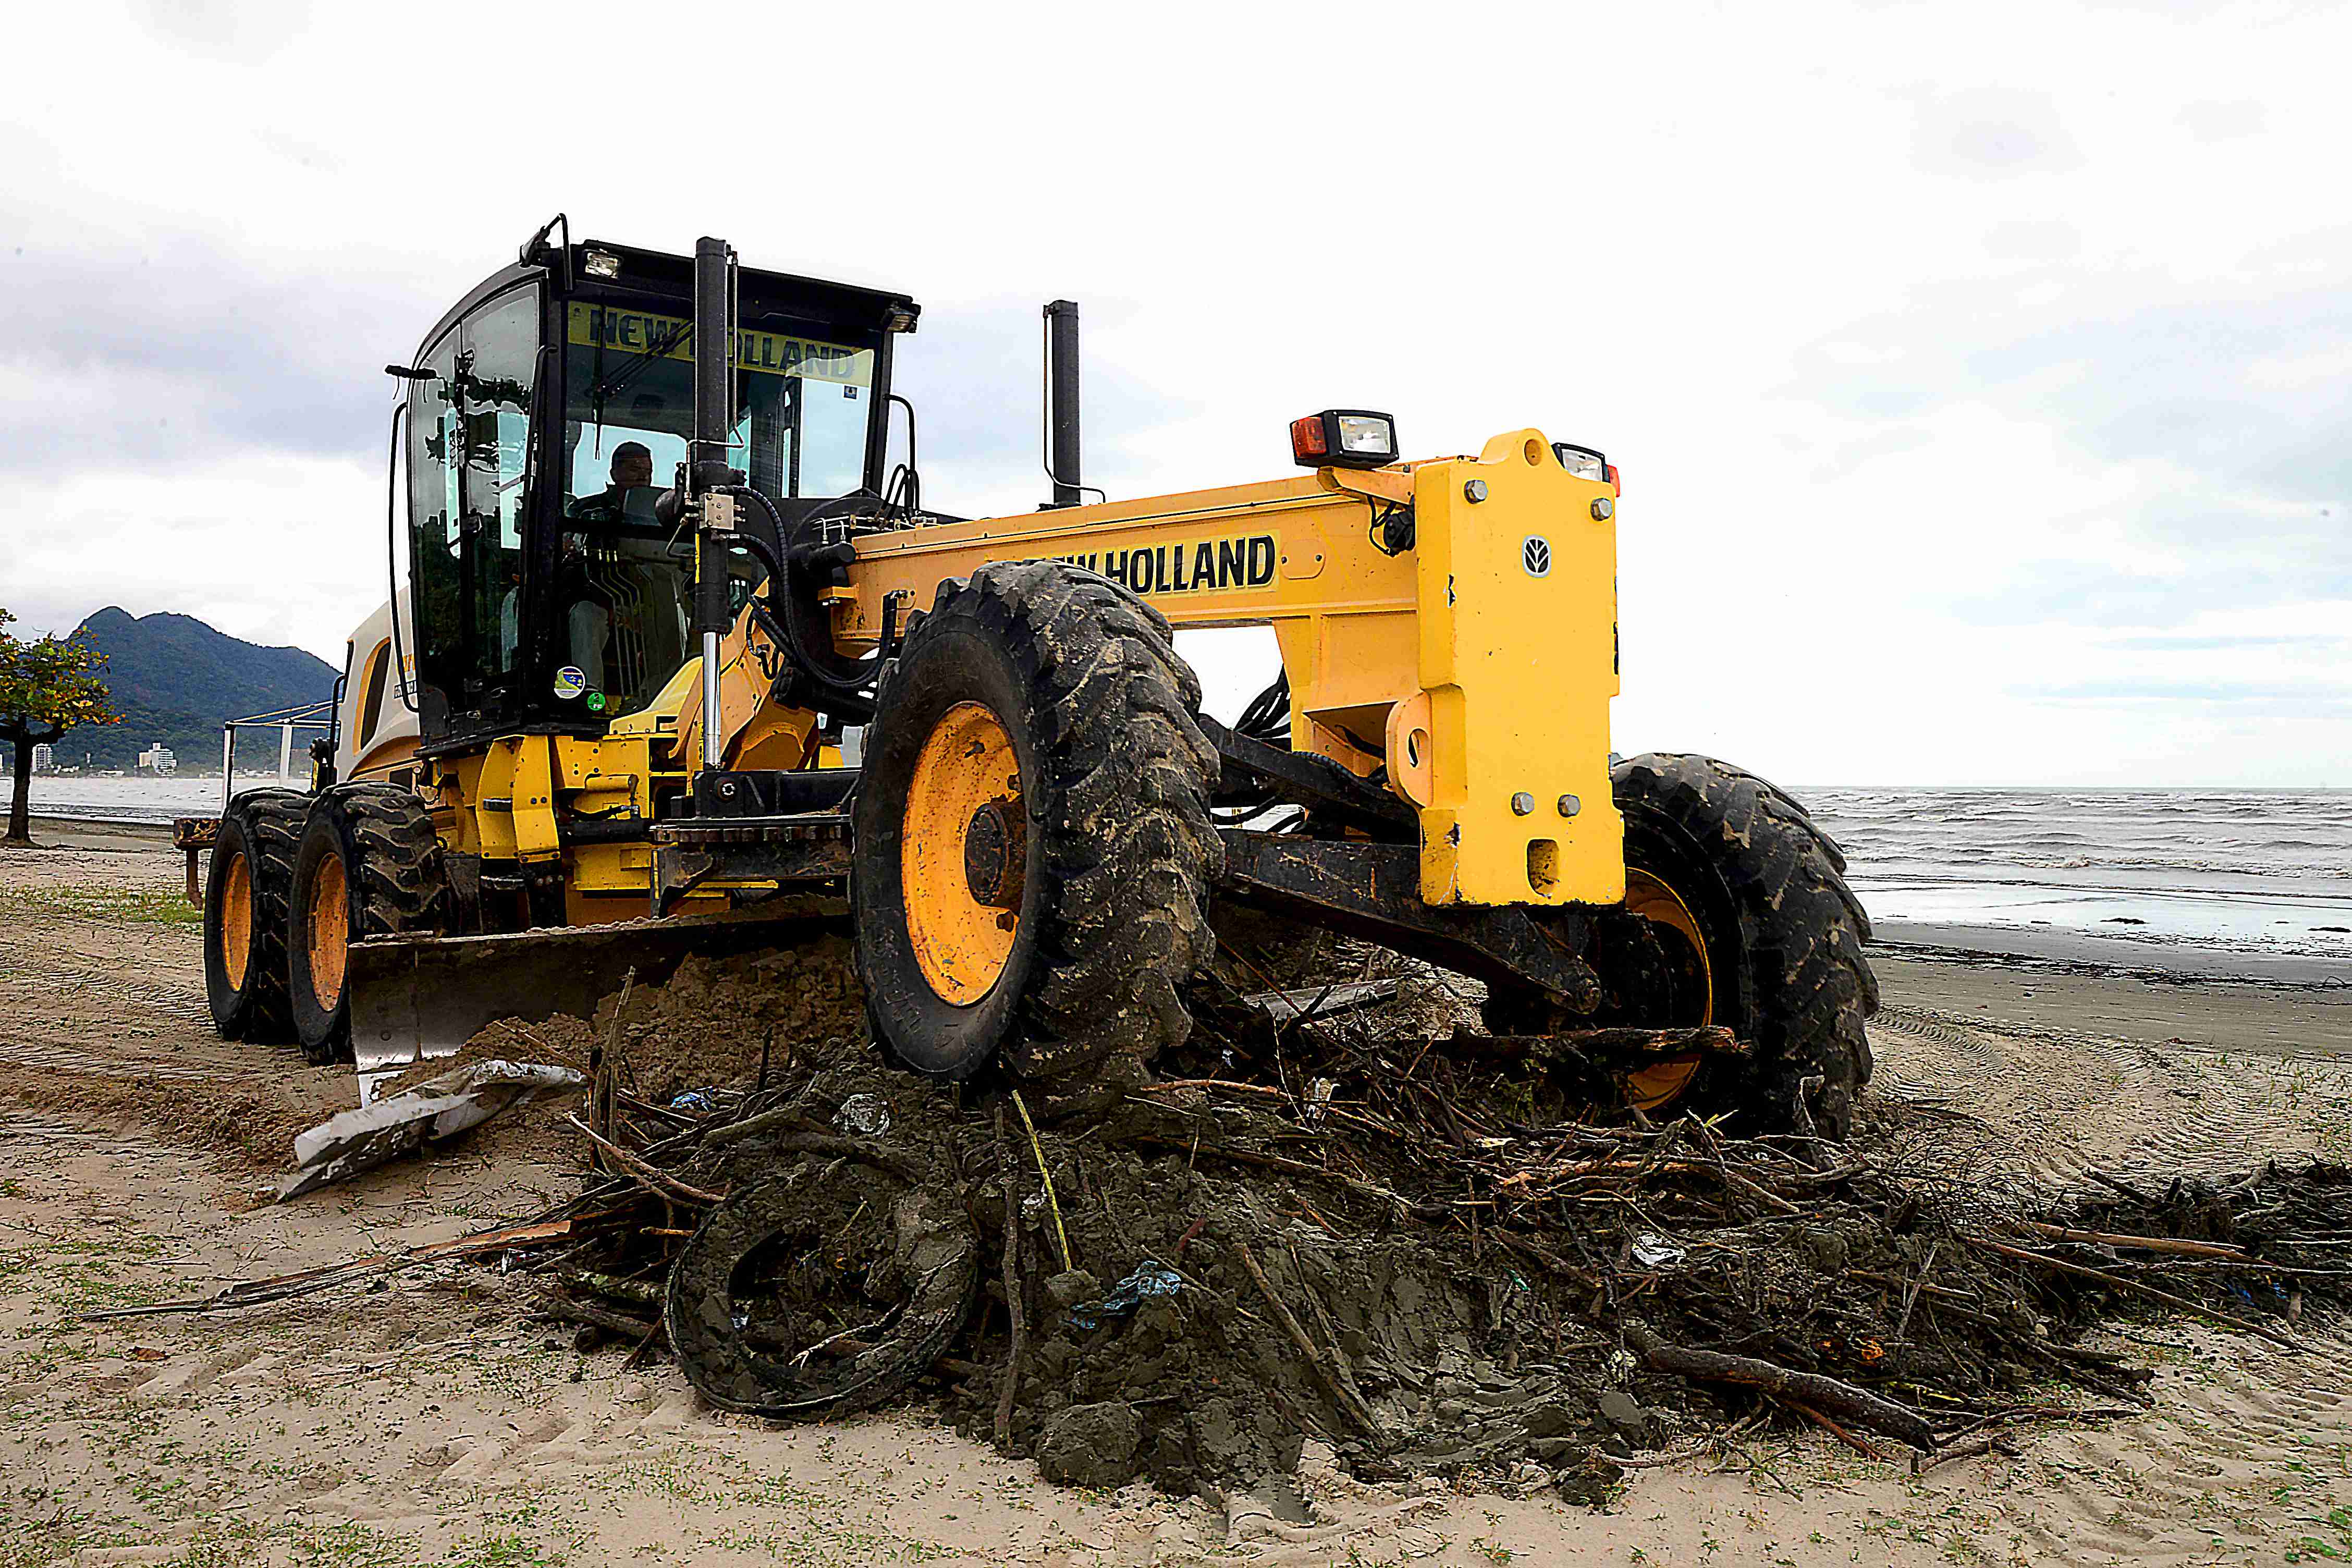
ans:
(1033, 852)
(1717, 854)
(369, 865)
(246, 891)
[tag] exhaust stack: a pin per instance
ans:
(714, 423)
(1062, 401)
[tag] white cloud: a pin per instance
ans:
(1935, 363)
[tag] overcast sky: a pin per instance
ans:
(1981, 375)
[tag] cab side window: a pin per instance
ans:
(497, 370)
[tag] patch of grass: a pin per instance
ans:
(817, 1541)
(145, 906)
(512, 1551)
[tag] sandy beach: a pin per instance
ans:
(428, 1420)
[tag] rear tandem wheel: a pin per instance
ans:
(246, 891)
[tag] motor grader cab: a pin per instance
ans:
(656, 566)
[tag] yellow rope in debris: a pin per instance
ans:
(1061, 1236)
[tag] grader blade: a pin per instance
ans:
(416, 998)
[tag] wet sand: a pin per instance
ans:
(2225, 1014)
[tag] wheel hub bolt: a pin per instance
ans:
(994, 850)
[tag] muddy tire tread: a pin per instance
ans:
(1807, 988)
(273, 827)
(392, 860)
(1129, 852)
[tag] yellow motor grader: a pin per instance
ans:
(681, 654)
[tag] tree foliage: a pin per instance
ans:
(48, 686)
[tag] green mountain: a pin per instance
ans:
(175, 679)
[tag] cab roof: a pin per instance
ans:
(656, 274)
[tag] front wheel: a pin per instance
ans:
(1034, 851)
(1736, 913)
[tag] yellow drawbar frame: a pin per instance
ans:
(1476, 667)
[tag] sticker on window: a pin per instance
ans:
(571, 681)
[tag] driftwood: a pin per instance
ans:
(310, 1281)
(570, 1310)
(1355, 1409)
(2174, 1245)
(2118, 1282)
(1608, 1045)
(654, 1176)
(1830, 1396)
(1015, 1353)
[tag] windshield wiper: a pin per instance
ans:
(618, 382)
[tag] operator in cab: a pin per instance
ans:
(630, 497)
(624, 586)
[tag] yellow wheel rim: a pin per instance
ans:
(236, 921)
(963, 846)
(1655, 901)
(327, 931)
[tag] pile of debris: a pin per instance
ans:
(1423, 1249)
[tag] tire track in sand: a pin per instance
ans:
(2038, 1107)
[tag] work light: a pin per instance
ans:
(1587, 464)
(1343, 438)
(1582, 461)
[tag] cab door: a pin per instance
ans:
(470, 470)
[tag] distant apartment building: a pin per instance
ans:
(45, 759)
(158, 759)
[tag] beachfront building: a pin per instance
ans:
(45, 759)
(158, 759)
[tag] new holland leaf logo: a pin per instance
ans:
(1535, 554)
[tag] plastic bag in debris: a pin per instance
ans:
(1148, 1281)
(1651, 1250)
(697, 1101)
(867, 1115)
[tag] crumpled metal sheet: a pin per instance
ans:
(366, 1136)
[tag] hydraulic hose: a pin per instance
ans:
(846, 686)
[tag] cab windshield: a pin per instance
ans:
(625, 582)
(803, 403)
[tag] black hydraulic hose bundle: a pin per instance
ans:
(1268, 717)
(844, 687)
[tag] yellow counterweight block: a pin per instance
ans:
(1516, 572)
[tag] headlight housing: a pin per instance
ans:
(1587, 464)
(1582, 461)
(1343, 438)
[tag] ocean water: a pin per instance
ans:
(137, 798)
(2247, 871)
(2256, 871)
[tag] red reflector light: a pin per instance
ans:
(1614, 482)
(1306, 438)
